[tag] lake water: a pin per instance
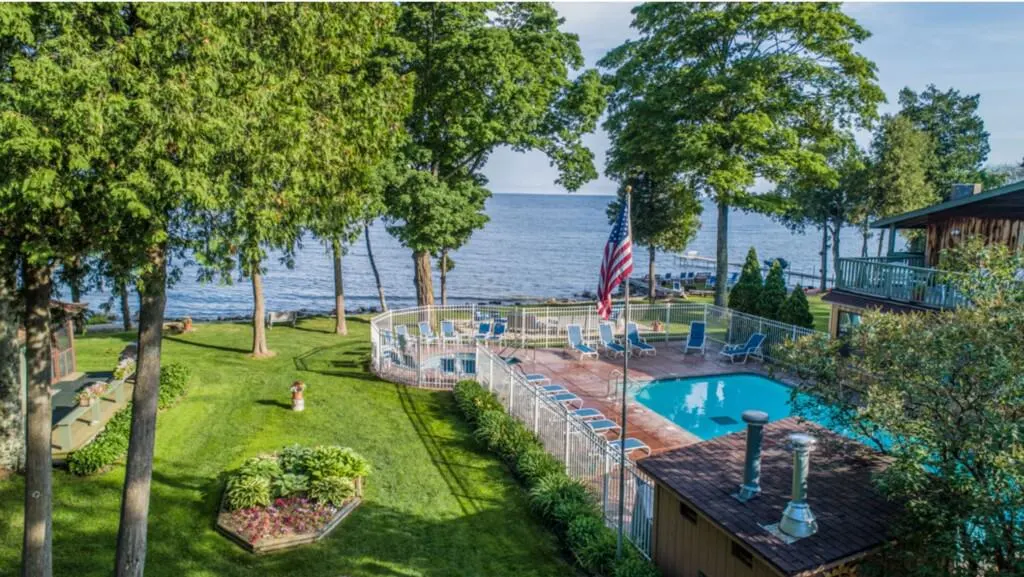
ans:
(535, 246)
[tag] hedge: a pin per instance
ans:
(566, 505)
(112, 443)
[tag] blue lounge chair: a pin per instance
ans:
(677, 287)
(388, 348)
(588, 413)
(427, 335)
(532, 378)
(691, 278)
(604, 426)
(608, 342)
(402, 331)
(483, 331)
(567, 398)
(637, 342)
(752, 348)
(734, 277)
(711, 281)
(448, 334)
(632, 444)
(697, 339)
(553, 389)
(498, 333)
(575, 335)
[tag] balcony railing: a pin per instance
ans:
(889, 278)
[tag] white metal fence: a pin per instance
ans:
(411, 346)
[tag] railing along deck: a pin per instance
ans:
(891, 279)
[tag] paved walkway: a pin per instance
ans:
(593, 382)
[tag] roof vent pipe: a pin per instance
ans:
(751, 486)
(797, 520)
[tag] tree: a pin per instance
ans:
(742, 89)
(745, 296)
(665, 216)
(796, 310)
(941, 393)
(12, 434)
(959, 139)
(51, 91)
(998, 175)
(902, 159)
(773, 295)
(487, 75)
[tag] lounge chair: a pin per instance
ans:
(632, 444)
(448, 333)
(588, 413)
(575, 335)
(553, 389)
(532, 378)
(691, 278)
(734, 277)
(637, 342)
(498, 333)
(751, 348)
(483, 331)
(388, 347)
(608, 342)
(427, 335)
(402, 331)
(604, 426)
(711, 281)
(567, 398)
(697, 339)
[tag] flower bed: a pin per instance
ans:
(291, 498)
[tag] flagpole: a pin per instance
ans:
(625, 380)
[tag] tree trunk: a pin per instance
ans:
(652, 285)
(259, 313)
(340, 327)
(76, 292)
(865, 234)
(444, 277)
(824, 257)
(138, 475)
(373, 266)
(722, 253)
(37, 554)
(836, 228)
(126, 311)
(424, 282)
(881, 240)
(12, 434)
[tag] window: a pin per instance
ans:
(847, 320)
(687, 512)
(742, 554)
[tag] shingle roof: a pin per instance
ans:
(1003, 202)
(852, 515)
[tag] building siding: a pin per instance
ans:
(1009, 232)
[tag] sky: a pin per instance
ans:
(975, 48)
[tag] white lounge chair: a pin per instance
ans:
(611, 347)
(575, 335)
(632, 444)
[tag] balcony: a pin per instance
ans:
(894, 278)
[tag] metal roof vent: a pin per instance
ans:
(797, 519)
(965, 190)
(751, 486)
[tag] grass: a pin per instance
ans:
(820, 310)
(436, 505)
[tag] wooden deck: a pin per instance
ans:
(75, 426)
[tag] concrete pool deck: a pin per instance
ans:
(590, 379)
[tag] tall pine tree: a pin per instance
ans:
(796, 310)
(773, 294)
(747, 292)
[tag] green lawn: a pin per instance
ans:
(436, 504)
(820, 310)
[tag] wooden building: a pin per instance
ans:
(702, 530)
(911, 281)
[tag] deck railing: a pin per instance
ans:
(429, 360)
(898, 282)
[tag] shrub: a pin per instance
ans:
(773, 294)
(125, 368)
(473, 400)
(558, 498)
(634, 566)
(260, 467)
(504, 435)
(333, 490)
(245, 491)
(289, 484)
(330, 461)
(174, 379)
(745, 294)
(107, 448)
(293, 459)
(592, 543)
(796, 310)
(535, 463)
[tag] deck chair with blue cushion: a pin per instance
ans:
(604, 426)
(532, 378)
(697, 339)
(553, 389)
(427, 335)
(611, 347)
(448, 334)
(734, 277)
(568, 399)
(751, 348)
(588, 414)
(402, 331)
(632, 444)
(711, 281)
(637, 343)
(483, 331)
(576, 344)
(498, 333)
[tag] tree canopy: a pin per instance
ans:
(742, 88)
(487, 75)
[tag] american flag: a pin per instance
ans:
(617, 264)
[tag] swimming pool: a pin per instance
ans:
(710, 406)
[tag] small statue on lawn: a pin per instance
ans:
(298, 403)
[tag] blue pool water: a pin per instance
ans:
(710, 406)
